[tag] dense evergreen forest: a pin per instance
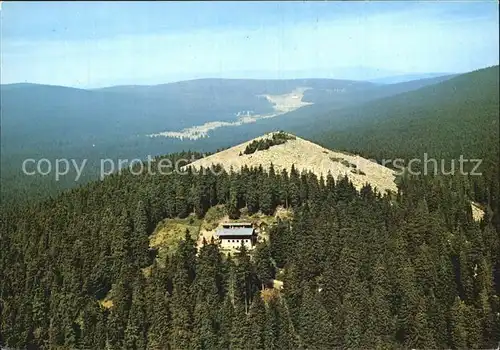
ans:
(360, 269)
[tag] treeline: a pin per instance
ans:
(262, 144)
(360, 269)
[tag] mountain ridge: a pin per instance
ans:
(303, 155)
(306, 156)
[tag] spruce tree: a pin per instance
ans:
(140, 240)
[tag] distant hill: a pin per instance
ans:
(307, 121)
(373, 92)
(304, 156)
(408, 77)
(42, 115)
(49, 118)
(240, 86)
(456, 116)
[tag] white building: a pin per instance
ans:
(233, 234)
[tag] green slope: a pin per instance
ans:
(306, 121)
(458, 116)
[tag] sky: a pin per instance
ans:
(96, 44)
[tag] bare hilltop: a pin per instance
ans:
(304, 156)
(308, 156)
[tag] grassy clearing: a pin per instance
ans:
(357, 171)
(169, 232)
(213, 217)
(477, 211)
(106, 303)
(269, 294)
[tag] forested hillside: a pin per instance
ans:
(298, 176)
(456, 117)
(360, 269)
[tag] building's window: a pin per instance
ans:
(237, 241)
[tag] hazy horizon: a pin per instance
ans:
(374, 78)
(92, 45)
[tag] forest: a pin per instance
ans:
(354, 202)
(360, 269)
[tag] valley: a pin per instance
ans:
(281, 104)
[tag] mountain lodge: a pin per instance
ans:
(232, 234)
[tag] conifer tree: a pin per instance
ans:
(257, 322)
(315, 326)
(181, 307)
(225, 320)
(263, 264)
(233, 204)
(135, 336)
(118, 318)
(140, 240)
(208, 289)
(458, 325)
